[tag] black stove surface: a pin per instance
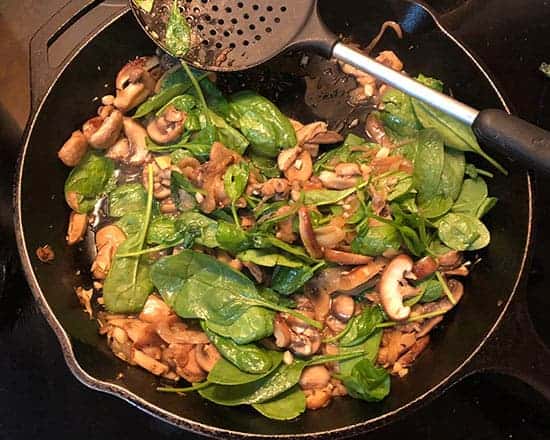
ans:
(39, 397)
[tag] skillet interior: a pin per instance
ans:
(306, 93)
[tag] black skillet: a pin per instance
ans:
(490, 330)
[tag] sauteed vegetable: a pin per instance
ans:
(263, 261)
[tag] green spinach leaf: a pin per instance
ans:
(463, 232)
(366, 381)
(178, 33)
(254, 324)
(287, 406)
(88, 181)
(263, 257)
(375, 240)
(128, 198)
(225, 373)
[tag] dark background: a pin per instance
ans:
(40, 399)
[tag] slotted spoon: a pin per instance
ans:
(230, 35)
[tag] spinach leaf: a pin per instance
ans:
(128, 198)
(225, 373)
(453, 174)
(361, 327)
(88, 181)
(463, 232)
(287, 406)
(287, 280)
(227, 135)
(162, 230)
(179, 181)
(130, 223)
(375, 240)
(271, 386)
(342, 153)
(435, 206)
(248, 358)
(254, 324)
(266, 166)
(261, 122)
(199, 286)
(398, 183)
(431, 290)
(369, 348)
(320, 197)
(267, 258)
(473, 199)
(366, 381)
(199, 150)
(178, 33)
(428, 164)
(232, 238)
(398, 114)
(128, 283)
(455, 134)
(234, 182)
(204, 224)
(183, 103)
(162, 98)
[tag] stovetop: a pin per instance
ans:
(41, 399)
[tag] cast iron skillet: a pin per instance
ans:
(489, 330)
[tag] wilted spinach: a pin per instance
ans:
(360, 327)
(88, 181)
(178, 33)
(127, 198)
(375, 240)
(254, 324)
(234, 182)
(247, 357)
(261, 122)
(366, 381)
(225, 373)
(263, 257)
(287, 406)
(463, 232)
(287, 280)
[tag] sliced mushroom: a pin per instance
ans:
(326, 138)
(333, 181)
(329, 236)
(72, 151)
(307, 235)
(301, 169)
(167, 127)
(343, 307)
(135, 83)
(361, 275)
(450, 260)
(424, 267)
(121, 151)
(150, 364)
(107, 240)
(315, 377)
(102, 132)
(307, 343)
(192, 371)
(85, 297)
(347, 169)
(376, 131)
(78, 225)
(316, 399)
(346, 258)
(400, 367)
(155, 310)
(281, 332)
(178, 333)
(207, 356)
(287, 157)
(136, 135)
(390, 286)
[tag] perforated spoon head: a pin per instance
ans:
(229, 35)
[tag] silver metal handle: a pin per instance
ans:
(408, 85)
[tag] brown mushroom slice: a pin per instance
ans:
(74, 149)
(167, 127)
(346, 258)
(155, 310)
(314, 377)
(207, 356)
(427, 326)
(306, 343)
(329, 236)
(78, 225)
(326, 138)
(321, 303)
(302, 168)
(450, 260)
(85, 297)
(332, 180)
(287, 157)
(281, 332)
(178, 333)
(394, 343)
(136, 135)
(400, 367)
(391, 285)
(424, 267)
(343, 307)
(192, 371)
(148, 363)
(376, 131)
(102, 132)
(307, 235)
(121, 151)
(107, 240)
(361, 275)
(135, 83)
(316, 399)
(444, 304)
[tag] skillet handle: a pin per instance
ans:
(87, 16)
(515, 349)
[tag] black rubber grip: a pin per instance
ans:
(514, 137)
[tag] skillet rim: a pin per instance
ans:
(201, 428)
